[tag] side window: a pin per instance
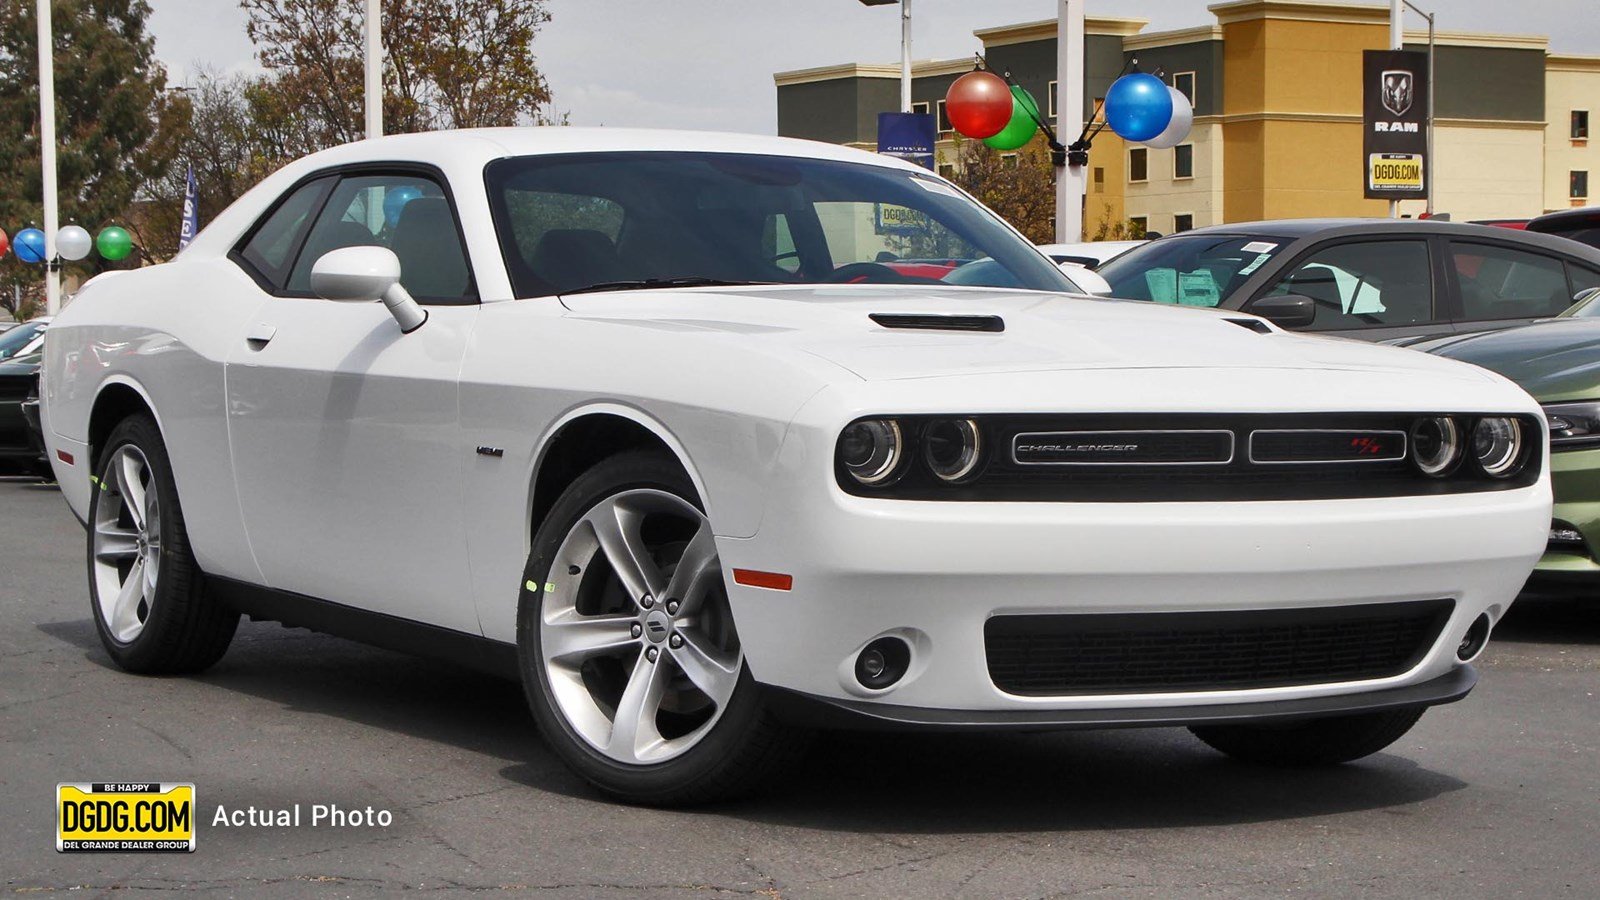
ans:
(1580, 279)
(1505, 283)
(406, 213)
(271, 245)
(1365, 284)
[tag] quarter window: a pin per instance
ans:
(1504, 283)
(1365, 284)
(407, 213)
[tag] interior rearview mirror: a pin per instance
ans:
(1285, 310)
(365, 274)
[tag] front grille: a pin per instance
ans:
(1146, 653)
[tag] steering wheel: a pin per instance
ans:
(873, 273)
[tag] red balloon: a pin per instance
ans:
(978, 104)
(5, 244)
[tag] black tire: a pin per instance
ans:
(744, 748)
(184, 630)
(1317, 742)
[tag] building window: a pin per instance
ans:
(1579, 184)
(947, 171)
(1183, 161)
(1182, 222)
(1184, 83)
(1009, 160)
(1580, 124)
(944, 120)
(1099, 178)
(1138, 164)
(1053, 92)
(1138, 226)
(923, 108)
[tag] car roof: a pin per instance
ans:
(1298, 229)
(1584, 216)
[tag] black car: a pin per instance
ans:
(1581, 225)
(1378, 279)
(21, 447)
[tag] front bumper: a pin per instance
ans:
(1575, 481)
(933, 573)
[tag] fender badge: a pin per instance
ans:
(495, 452)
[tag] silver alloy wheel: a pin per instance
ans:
(127, 544)
(636, 637)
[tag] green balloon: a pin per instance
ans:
(1024, 122)
(114, 243)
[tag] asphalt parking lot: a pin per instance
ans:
(1497, 796)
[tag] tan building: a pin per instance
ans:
(1277, 91)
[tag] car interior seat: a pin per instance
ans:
(431, 259)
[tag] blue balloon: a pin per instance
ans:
(395, 201)
(29, 244)
(1138, 107)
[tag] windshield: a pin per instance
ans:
(17, 339)
(643, 219)
(1189, 270)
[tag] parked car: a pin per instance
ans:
(614, 413)
(1089, 254)
(23, 340)
(1558, 362)
(1513, 224)
(1377, 279)
(21, 450)
(1581, 225)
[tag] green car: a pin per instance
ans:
(1558, 362)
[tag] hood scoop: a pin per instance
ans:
(939, 322)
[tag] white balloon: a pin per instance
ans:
(1178, 128)
(73, 243)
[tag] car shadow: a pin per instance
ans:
(1551, 619)
(867, 782)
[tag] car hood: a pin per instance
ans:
(1042, 331)
(1556, 359)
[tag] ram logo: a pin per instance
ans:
(1395, 90)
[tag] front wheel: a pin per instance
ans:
(1316, 742)
(628, 650)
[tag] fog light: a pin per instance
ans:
(882, 663)
(1472, 642)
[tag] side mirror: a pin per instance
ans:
(1585, 295)
(365, 274)
(1285, 310)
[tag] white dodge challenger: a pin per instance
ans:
(713, 439)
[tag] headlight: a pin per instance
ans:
(1573, 425)
(951, 448)
(1435, 445)
(871, 449)
(1497, 444)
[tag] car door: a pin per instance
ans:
(344, 430)
(1368, 288)
(1496, 285)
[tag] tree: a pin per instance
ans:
(116, 125)
(1019, 186)
(449, 64)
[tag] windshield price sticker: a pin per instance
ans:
(1395, 171)
(136, 817)
(1258, 247)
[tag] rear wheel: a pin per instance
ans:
(1317, 742)
(146, 590)
(629, 654)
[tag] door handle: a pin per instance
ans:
(260, 335)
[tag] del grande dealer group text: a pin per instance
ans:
(322, 814)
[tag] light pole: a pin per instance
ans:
(1070, 180)
(1429, 173)
(905, 48)
(374, 66)
(47, 157)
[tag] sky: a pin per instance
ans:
(708, 64)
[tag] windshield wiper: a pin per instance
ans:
(640, 284)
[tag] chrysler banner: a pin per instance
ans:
(1395, 124)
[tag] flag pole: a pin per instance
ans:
(374, 66)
